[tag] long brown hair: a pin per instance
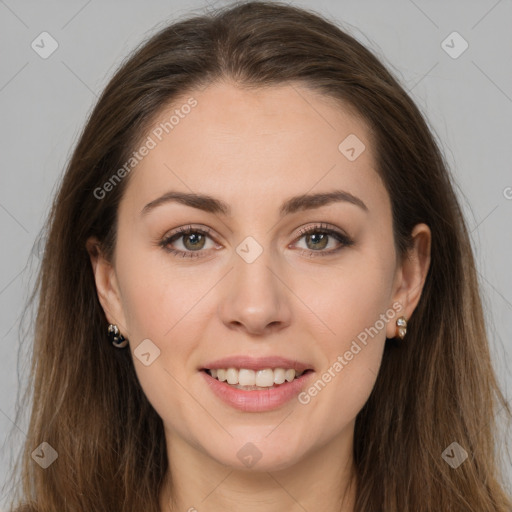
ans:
(436, 389)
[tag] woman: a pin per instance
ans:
(258, 290)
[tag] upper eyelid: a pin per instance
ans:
(319, 225)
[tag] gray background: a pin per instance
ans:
(44, 103)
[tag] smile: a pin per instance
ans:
(248, 379)
(254, 397)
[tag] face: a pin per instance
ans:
(317, 283)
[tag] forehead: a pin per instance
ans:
(253, 147)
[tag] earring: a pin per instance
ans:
(117, 339)
(401, 324)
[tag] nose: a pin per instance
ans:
(255, 298)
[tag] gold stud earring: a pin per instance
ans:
(401, 325)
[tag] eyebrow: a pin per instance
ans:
(292, 205)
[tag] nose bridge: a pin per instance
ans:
(253, 273)
(256, 295)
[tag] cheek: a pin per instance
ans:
(162, 303)
(160, 307)
(157, 292)
(354, 308)
(351, 359)
(347, 299)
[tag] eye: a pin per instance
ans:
(194, 239)
(318, 237)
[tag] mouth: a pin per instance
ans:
(255, 380)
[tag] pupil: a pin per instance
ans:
(313, 237)
(195, 238)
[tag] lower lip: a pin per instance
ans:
(257, 401)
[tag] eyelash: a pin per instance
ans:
(344, 240)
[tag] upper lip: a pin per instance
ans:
(257, 363)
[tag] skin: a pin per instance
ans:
(254, 149)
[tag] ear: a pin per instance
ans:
(411, 275)
(106, 285)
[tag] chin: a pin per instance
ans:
(264, 455)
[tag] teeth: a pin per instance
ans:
(266, 378)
